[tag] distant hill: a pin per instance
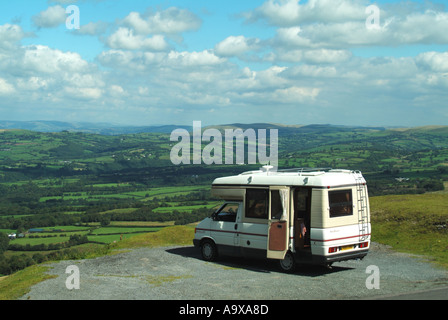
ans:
(97, 128)
(114, 129)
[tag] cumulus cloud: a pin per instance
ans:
(291, 12)
(342, 23)
(51, 17)
(149, 31)
(191, 59)
(6, 88)
(125, 38)
(10, 35)
(44, 60)
(313, 56)
(434, 61)
(83, 93)
(236, 46)
(92, 28)
(170, 21)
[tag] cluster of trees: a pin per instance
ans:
(74, 240)
(147, 214)
(14, 263)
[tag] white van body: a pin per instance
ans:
(294, 216)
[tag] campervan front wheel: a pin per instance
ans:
(208, 250)
(288, 264)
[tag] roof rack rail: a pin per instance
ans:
(304, 170)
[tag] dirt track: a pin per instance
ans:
(178, 273)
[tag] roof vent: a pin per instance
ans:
(267, 168)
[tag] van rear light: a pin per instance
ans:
(332, 249)
(364, 245)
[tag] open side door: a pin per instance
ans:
(278, 232)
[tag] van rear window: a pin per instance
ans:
(341, 203)
(257, 203)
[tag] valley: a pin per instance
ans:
(84, 191)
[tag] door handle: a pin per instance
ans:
(236, 226)
(279, 226)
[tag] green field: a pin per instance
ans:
(124, 230)
(415, 224)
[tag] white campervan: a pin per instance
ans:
(317, 216)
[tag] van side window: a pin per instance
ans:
(276, 205)
(228, 212)
(257, 203)
(341, 203)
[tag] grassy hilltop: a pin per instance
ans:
(415, 224)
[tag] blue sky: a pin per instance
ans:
(173, 62)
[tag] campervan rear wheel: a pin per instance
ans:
(208, 250)
(288, 264)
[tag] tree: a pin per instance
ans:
(105, 221)
(4, 242)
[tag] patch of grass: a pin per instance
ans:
(415, 224)
(178, 235)
(141, 224)
(157, 281)
(18, 284)
(123, 230)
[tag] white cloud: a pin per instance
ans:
(313, 56)
(6, 88)
(170, 21)
(45, 60)
(295, 94)
(236, 46)
(125, 38)
(93, 28)
(341, 24)
(428, 27)
(191, 59)
(83, 93)
(116, 90)
(434, 61)
(140, 61)
(10, 35)
(50, 18)
(292, 12)
(33, 83)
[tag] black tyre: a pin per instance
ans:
(288, 264)
(208, 250)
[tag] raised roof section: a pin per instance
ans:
(316, 177)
